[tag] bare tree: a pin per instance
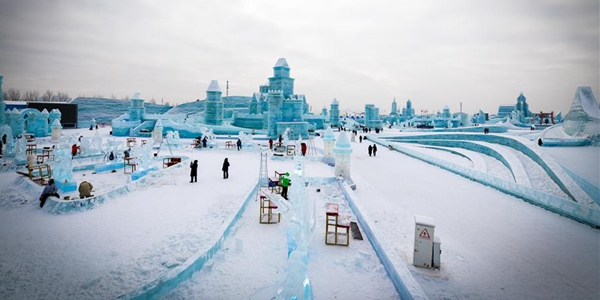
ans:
(167, 103)
(47, 96)
(63, 97)
(126, 98)
(12, 94)
(153, 101)
(32, 96)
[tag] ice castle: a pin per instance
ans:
(272, 111)
(276, 108)
(27, 120)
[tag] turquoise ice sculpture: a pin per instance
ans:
(20, 151)
(334, 112)
(213, 106)
(328, 142)
(247, 139)
(54, 115)
(301, 225)
(174, 140)
(342, 151)
(62, 167)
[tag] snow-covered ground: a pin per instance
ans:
(494, 246)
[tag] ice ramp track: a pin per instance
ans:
(582, 213)
(398, 272)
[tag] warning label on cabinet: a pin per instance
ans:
(424, 234)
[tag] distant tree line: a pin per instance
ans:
(34, 96)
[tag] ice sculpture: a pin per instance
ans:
(247, 139)
(301, 224)
(173, 139)
(145, 156)
(62, 168)
(20, 150)
(584, 116)
(285, 138)
(342, 151)
(157, 133)
(328, 141)
(56, 130)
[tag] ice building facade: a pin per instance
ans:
(334, 113)
(28, 120)
(276, 108)
(213, 107)
(372, 117)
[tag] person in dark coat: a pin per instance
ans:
(194, 171)
(280, 139)
(270, 144)
(239, 144)
(225, 169)
(204, 142)
(370, 150)
(374, 150)
(360, 138)
(49, 190)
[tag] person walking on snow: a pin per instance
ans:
(225, 169)
(374, 150)
(270, 144)
(239, 144)
(370, 150)
(194, 171)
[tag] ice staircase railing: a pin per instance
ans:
(564, 207)
(556, 173)
(590, 188)
(477, 161)
(135, 131)
(59, 206)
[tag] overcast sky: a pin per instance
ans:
(481, 53)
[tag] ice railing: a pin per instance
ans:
(564, 207)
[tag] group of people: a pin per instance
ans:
(194, 170)
(85, 191)
(373, 150)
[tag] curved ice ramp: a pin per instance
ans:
(163, 285)
(58, 206)
(475, 158)
(552, 168)
(405, 284)
(507, 158)
(591, 189)
(573, 210)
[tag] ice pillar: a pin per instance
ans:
(342, 152)
(56, 130)
(328, 141)
(157, 133)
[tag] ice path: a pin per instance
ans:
(229, 258)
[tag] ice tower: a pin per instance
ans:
(408, 112)
(281, 80)
(137, 109)
(372, 117)
(342, 151)
(328, 142)
(522, 106)
(334, 113)
(213, 107)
